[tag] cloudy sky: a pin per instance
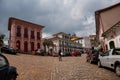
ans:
(69, 16)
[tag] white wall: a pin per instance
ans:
(116, 39)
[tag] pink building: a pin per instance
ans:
(105, 20)
(24, 36)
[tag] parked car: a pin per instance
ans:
(111, 59)
(75, 53)
(8, 50)
(7, 72)
(92, 57)
(79, 53)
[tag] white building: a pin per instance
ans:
(112, 36)
(87, 41)
(63, 41)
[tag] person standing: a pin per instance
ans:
(59, 55)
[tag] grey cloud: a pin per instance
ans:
(56, 15)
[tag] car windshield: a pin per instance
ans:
(116, 52)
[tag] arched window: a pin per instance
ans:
(38, 45)
(18, 45)
(25, 46)
(32, 46)
(32, 35)
(38, 35)
(25, 33)
(18, 32)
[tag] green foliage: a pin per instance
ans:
(1, 39)
(47, 43)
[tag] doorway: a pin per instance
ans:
(25, 46)
(112, 44)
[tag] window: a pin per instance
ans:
(32, 34)
(38, 45)
(25, 46)
(38, 35)
(25, 33)
(107, 53)
(60, 42)
(116, 52)
(112, 44)
(18, 33)
(32, 46)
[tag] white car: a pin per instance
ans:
(110, 59)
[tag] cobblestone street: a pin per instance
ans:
(32, 67)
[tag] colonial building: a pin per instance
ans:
(92, 40)
(24, 36)
(64, 42)
(87, 41)
(107, 29)
(112, 36)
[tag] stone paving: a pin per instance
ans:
(76, 68)
(32, 67)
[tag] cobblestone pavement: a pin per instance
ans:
(32, 67)
(76, 68)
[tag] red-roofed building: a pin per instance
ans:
(24, 36)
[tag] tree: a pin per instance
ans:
(50, 43)
(1, 42)
(2, 36)
(1, 39)
(47, 43)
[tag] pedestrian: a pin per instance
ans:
(59, 55)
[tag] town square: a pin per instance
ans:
(60, 40)
(34, 67)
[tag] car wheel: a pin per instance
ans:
(117, 70)
(13, 77)
(99, 64)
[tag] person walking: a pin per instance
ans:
(59, 55)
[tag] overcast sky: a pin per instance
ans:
(69, 16)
